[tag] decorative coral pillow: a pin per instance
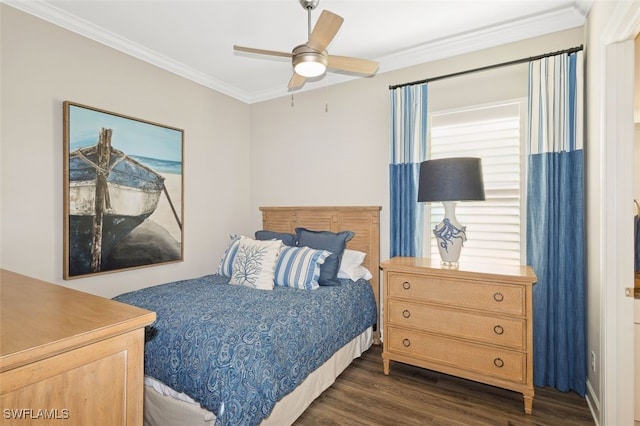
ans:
(254, 263)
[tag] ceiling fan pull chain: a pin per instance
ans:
(326, 94)
(292, 100)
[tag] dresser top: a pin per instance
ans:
(40, 319)
(519, 273)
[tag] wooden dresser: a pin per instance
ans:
(68, 357)
(474, 322)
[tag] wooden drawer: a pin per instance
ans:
(503, 299)
(510, 332)
(487, 361)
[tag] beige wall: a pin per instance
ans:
(44, 65)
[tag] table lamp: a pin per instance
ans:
(449, 180)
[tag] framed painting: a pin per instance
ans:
(123, 192)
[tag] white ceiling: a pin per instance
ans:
(195, 38)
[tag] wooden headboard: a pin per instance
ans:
(363, 221)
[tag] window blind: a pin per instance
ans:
(493, 133)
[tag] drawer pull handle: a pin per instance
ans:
(406, 313)
(406, 343)
(406, 285)
(498, 362)
(498, 297)
(498, 329)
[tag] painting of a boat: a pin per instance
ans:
(132, 194)
(121, 179)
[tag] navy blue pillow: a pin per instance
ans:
(287, 239)
(330, 241)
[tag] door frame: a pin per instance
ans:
(616, 212)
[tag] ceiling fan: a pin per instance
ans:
(311, 58)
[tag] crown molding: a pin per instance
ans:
(561, 19)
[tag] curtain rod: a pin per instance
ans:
(488, 67)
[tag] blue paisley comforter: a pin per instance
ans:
(244, 349)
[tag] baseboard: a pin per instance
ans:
(594, 403)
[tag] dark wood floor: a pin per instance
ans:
(363, 395)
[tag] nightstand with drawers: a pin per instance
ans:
(474, 322)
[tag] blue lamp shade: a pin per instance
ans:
(451, 179)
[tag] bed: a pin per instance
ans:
(298, 341)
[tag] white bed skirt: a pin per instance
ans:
(165, 407)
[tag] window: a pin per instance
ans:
(493, 133)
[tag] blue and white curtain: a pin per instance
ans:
(555, 221)
(408, 150)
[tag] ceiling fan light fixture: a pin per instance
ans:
(310, 69)
(309, 63)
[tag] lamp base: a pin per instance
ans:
(449, 239)
(449, 265)
(450, 236)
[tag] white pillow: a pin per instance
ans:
(352, 259)
(359, 272)
(351, 266)
(254, 263)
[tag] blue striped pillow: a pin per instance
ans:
(299, 267)
(226, 263)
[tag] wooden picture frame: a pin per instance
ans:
(123, 192)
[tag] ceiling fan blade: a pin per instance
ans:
(261, 51)
(325, 30)
(296, 81)
(354, 65)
